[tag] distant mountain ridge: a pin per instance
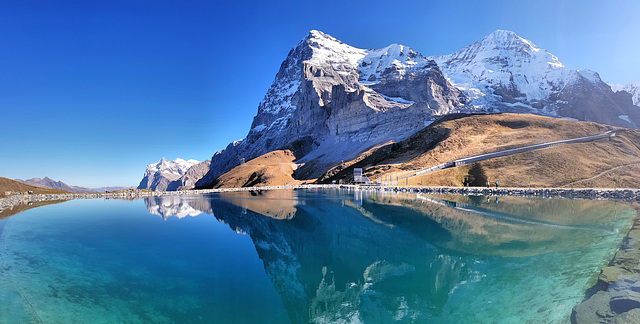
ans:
(10, 186)
(173, 175)
(46, 182)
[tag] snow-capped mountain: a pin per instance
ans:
(330, 100)
(505, 72)
(631, 88)
(503, 60)
(160, 176)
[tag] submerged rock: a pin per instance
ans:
(624, 294)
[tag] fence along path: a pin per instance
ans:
(490, 155)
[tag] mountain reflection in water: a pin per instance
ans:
(341, 255)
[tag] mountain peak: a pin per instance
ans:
(506, 40)
(505, 60)
(318, 35)
(47, 182)
(503, 34)
(318, 39)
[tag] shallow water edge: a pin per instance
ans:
(629, 195)
(615, 298)
(611, 299)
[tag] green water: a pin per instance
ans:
(299, 256)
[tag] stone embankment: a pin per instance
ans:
(616, 296)
(129, 194)
(619, 194)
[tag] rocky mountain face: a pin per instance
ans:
(506, 73)
(46, 182)
(189, 179)
(330, 100)
(171, 175)
(631, 88)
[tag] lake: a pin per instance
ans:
(299, 256)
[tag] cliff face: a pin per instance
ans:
(169, 175)
(632, 89)
(189, 179)
(331, 100)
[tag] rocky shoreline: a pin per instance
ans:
(614, 299)
(127, 194)
(616, 296)
(629, 195)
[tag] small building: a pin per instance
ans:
(359, 178)
(357, 174)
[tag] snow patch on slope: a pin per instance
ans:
(625, 118)
(327, 49)
(397, 58)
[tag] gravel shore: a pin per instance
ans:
(630, 195)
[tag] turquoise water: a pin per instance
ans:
(298, 256)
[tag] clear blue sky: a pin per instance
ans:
(93, 91)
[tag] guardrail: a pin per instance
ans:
(475, 158)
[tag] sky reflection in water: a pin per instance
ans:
(306, 256)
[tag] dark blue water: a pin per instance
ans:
(332, 256)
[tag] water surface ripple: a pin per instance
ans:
(306, 256)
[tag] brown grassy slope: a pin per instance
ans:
(470, 135)
(587, 165)
(15, 186)
(270, 169)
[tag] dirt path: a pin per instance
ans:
(601, 174)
